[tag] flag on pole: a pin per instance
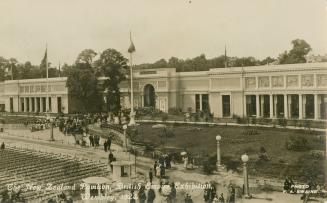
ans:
(131, 48)
(9, 72)
(225, 57)
(44, 62)
(59, 68)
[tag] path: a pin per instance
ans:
(65, 144)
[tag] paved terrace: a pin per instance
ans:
(39, 140)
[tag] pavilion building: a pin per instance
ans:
(293, 91)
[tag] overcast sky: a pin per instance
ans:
(160, 28)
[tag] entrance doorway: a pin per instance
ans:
(149, 96)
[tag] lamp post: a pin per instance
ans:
(125, 141)
(218, 138)
(245, 159)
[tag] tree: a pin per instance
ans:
(297, 54)
(86, 56)
(82, 85)
(113, 65)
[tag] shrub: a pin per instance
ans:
(231, 163)
(317, 155)
(250, 131)
(164, 117)
(209, 164)
(307, 124)
(282, 122)
(175, 111)
(132, 133)
(297, 143)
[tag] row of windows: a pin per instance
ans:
(40, 88)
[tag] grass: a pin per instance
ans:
(201, 139)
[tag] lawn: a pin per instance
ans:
(201, 140)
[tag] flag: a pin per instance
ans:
(44, 62)
(59, 68)
(131, 48)
(9, 72)
(225, 57)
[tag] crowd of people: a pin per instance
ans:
(160, 166)
(39, 124)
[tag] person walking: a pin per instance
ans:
(155, 168)
(105, 146)
(141, 194)
(2, 147)
(151, 196)
(150, 175)
(109, 143)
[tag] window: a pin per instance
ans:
(124, 171)
(226, 105)
(205, 103)
(197, 102)
(11, 104)
(50, 105)
(251, 105)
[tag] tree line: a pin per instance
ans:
(83, 84)
(297, 54)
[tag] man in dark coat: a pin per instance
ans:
(2, 146)
(109, 143)
(141, 195)
(151, 196)
(150, 175)
(105, 146)
(91, 140)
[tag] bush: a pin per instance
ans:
(164, 117)
(251, 131)
(297, 143)
(132, 133)
(175, 111)
(209, 164)
(231, 163)
(282, 122)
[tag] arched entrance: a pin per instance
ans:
(149, 96)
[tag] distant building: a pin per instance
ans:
(292, 91)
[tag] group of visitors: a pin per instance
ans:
(210, 195)
(142, 196)
(107, 144)
(160, 166)
(39, 124)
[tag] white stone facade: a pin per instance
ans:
(292, 91)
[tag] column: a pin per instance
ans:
(275, 105)
(25, 104)
(46, 104)
(31, 104)
(316, 107)
(271, 107)
(262, 100)
(285, 106)
(244, 106)
(200, 96)
(289, 105)
(41, 104)
(300, 107)
(35, 104)
(304, 99)
(257, 105)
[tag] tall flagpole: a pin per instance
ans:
(225, 57)
(46, 65)
(59, 70)
(131, 50)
